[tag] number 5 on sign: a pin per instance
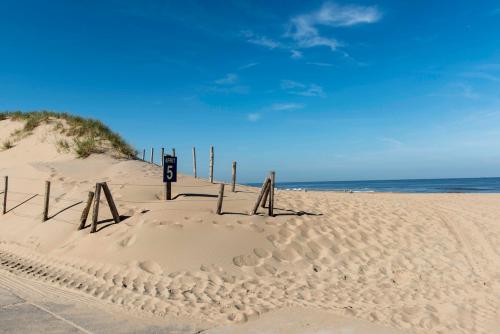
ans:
(169, 169)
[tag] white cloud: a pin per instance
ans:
(290, 84)
(304, 28)
(297, 88)
(254, 117)
(229, 79)
(319, 64)
(286, 106)
(249, 65)
(395, 143)
(482, 75)
(261, 40)
(296, 54)
(313, 90)
(467, 91)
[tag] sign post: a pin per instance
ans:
(169, 174)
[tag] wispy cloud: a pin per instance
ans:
(297, 88)
(460, 89)
(304, 28)
(290, 84)
(295, 54)
(261, 40)
(253, 117)
(286, 106)
(394, 143)
(249, 65)
(303, 31)
(482, 75)
(467, 91)
(319, 64)
(228, 79)
(227, 85)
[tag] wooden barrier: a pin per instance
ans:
(233, 178)
(263, 190)
(173, 152)
(264, 198)
(152, 155)
(143, 154)
(111, 204)
(162, 155)
(266, 193)
(95, 212)
(271, 194)
(45, 216)
(5, 190)
(194, 162)
(86, 210)
(211, 174)
(220, 198)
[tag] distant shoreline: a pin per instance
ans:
(450, 185)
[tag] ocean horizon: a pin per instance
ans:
(446, 185)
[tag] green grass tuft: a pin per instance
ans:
(7, 145)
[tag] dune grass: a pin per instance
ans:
(89, 135)
(7, 145)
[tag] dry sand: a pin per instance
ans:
(422, 263)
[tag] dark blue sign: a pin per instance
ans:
(169, 169)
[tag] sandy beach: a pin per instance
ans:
(412, 263)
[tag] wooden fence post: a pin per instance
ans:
(266, 195)
(95, 212)
(271, 194)
(46, 202)
(111, 202)
(219, 200)
(152, 155)
(194, 162)
(233, 179)
(86, 210)
(263, 190)
(143, 154)
(173, 152)
(162, 155)
(211, 164)
(5, 189)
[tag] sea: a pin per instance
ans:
(461, 185)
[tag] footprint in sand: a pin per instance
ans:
(151, 267)
(128, 241)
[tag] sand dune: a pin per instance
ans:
(422, 263)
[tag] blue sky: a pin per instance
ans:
(316, 90)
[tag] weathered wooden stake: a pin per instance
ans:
(271, 194)
(162, 156)
(111, 202)
(95, 212)
(233, 179)
(152, 155)
(173, 152)
(194, 162)
(211, 164)
(86, 210)
(143, 154)
(264, 189)
(5, 189)
(266, 195)
(219, 200)
(46, 202)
